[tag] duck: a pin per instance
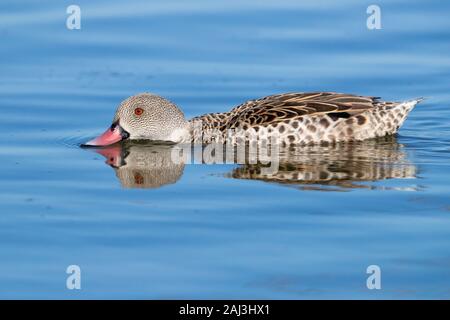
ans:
(296, 118)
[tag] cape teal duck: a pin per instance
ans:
(293, 118)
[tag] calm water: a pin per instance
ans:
(161, 230)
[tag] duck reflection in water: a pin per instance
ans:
(335, 167)
(142, 165)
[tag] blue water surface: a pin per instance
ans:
(211, 231)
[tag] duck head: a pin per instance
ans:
(145, 116)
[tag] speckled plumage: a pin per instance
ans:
(303, 118)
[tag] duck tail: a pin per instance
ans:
(410, 104)
(417, 100)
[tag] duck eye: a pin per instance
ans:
(138, 111)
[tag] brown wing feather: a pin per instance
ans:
(280, 107)
(212, 120)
